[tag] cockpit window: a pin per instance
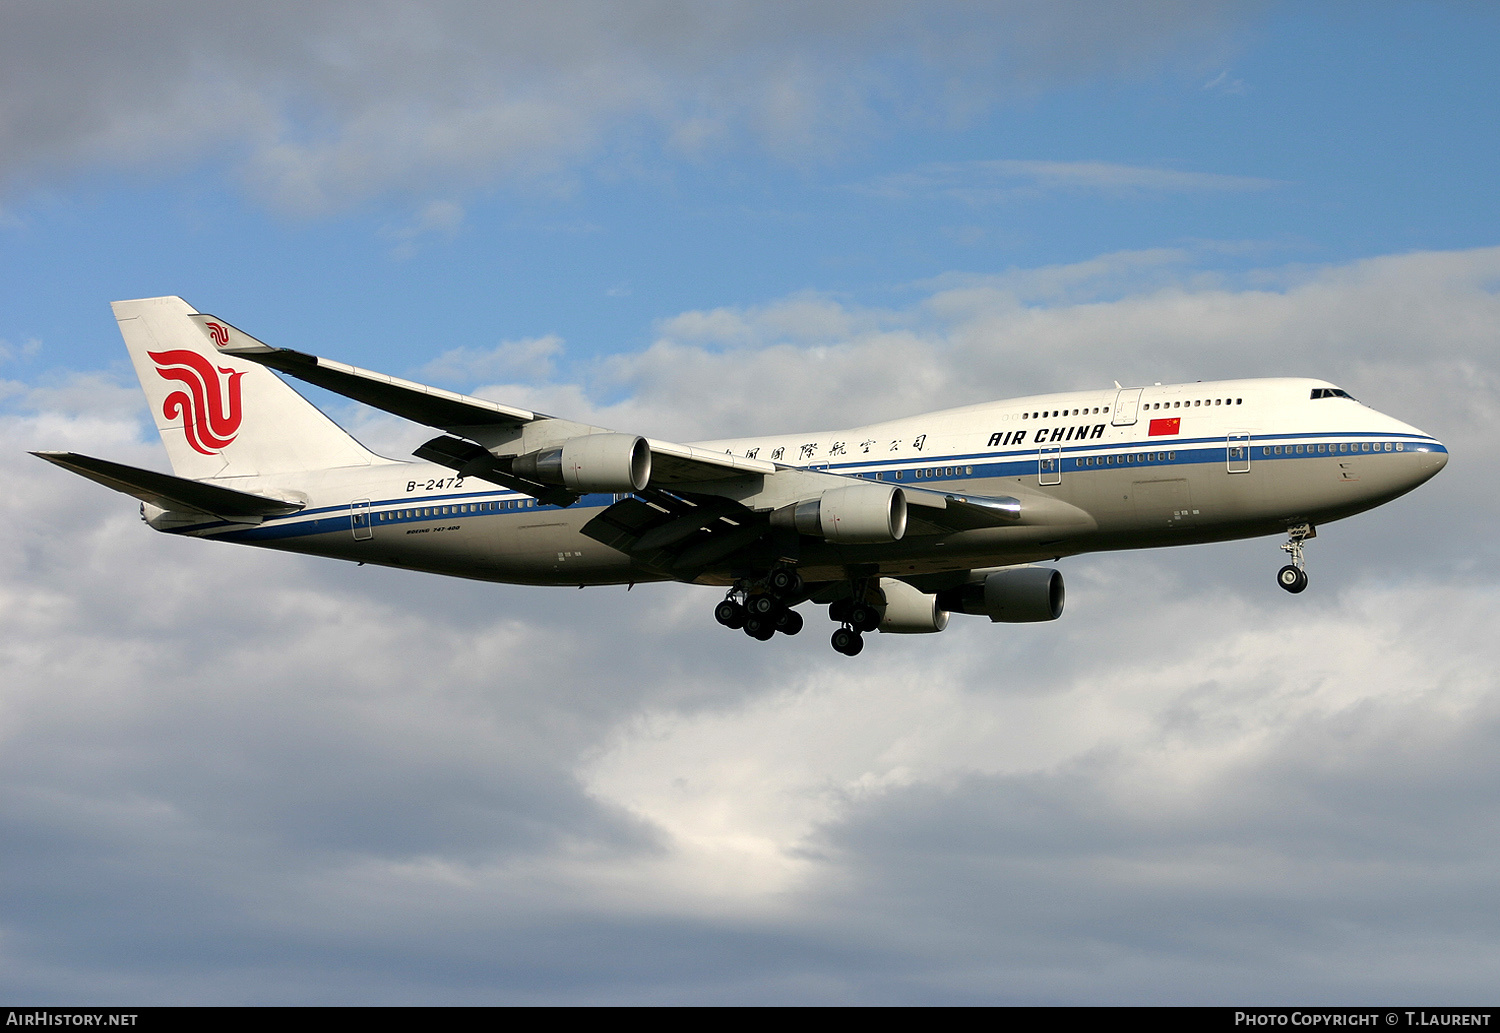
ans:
(1331, 392)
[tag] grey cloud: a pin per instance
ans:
(320, 105)
(1345, 862)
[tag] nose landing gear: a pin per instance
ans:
(1293, 577)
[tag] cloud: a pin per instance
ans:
(1001, 180)
(27, 349)
(235, 775)
(318, 107)
(1221, 83)
(437, 218)
(531, 358)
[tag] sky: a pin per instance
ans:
(233, 776)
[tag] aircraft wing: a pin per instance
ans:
(168, 492)
(461, 415)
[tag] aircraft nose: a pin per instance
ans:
(1432, 457)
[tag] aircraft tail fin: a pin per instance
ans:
(220, 416)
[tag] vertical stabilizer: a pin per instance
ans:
(220, 416)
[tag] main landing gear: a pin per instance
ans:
(856, 617)
(762, 609)
(1293, 577)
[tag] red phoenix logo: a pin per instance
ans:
(210, 412)
(218, 331)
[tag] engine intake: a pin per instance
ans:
(1018, 595)
(594, 462)
(860, 514)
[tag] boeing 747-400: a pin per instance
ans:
(893, 526)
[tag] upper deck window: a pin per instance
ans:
(1331, 392)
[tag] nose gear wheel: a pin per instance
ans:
(1293, 576)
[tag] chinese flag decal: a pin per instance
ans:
(1160, 427)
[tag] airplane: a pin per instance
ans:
(893, 526)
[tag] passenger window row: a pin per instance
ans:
(1338, 449)
(1044, 415)
(472, 507)
(943, 471)
(1194, 402)
(1128, 459)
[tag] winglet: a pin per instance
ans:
(228, 338)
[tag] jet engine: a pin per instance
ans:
(908, 611)
(1016, 595)
(594, 462)
(860, 514)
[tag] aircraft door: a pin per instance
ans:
(1127, 402)
(359, 520)
(1049, 466)
(1238, 453)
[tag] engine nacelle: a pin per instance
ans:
(908, 611)
(1018, 595)
(860, 514)
(594, 462)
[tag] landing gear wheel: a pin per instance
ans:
(1293, 576)
(759, 628)
(788, 622)
(838, 610)
(761, 605)
(848, 641)
(730, 614)
(1292, 579)
(784, 581)
(864, 618)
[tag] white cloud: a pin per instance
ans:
(437, 218)
(295, 780)
(531, 358)
(1221, 83)
(1001, 180)
(28, 348)
(320, 106)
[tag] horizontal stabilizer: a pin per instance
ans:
(168, 492)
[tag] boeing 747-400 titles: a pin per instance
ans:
(893, 526)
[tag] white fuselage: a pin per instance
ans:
(1132, 468)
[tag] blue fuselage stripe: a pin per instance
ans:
(1072, 459)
